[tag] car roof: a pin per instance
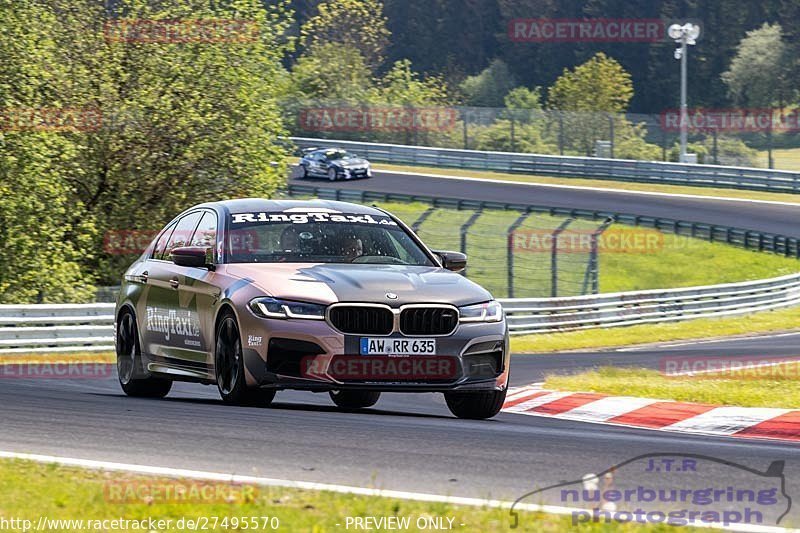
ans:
(255, 205)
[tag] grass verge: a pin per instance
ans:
(58, 357)
(607, 184)
(765, 321)
(733, 388)
(30, 490)
(672, 261)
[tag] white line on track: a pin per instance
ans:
(344, 489)
(589, 188)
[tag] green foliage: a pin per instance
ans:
(489, 88)
(600, 84)
(332, 71)
(401, 85)
(358, 24)
(730, 151)
(524, 98)
(757, 73)
(182, 122)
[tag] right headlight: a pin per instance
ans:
(275, 308)
(485, 312)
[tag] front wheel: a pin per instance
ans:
(475, 405)
(129, 362)
(332, 174)
(354, 399)
(229, 367)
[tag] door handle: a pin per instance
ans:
(143, 277)
(174, 283)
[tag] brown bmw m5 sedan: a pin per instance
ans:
(258, 295)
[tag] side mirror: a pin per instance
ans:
(455, 261)
(191, 256)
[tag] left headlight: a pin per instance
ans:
(275, 308)
(485, 312)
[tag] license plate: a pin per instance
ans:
(386, 346)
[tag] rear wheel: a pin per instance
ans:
(229, 367)
(354, 399)
(129, 363)
(303, 171)
(332, 174)
(475, 405)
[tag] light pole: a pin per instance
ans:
(684, 36)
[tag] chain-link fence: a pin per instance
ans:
(734, 137)
(513, 254)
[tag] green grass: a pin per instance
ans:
(29, 490)
(783, 158)
(676, 262)
(732, 389)
(790, 160)
(765, 321)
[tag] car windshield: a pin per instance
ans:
(334, 155)
(320, 237)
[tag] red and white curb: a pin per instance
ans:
(663, 415)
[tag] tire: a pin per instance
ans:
(129, 363)
(475, 405)
(229, 366)
(332, 174)
(304, 173)
(354, 399)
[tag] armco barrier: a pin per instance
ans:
(754, 179)
(76, 327)
(56, 327)
(748, 239)
(541, 315)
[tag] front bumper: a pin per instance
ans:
(310, 355)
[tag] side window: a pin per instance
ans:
(206, 232)
(182, 234)
(158, 249)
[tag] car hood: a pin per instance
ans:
(329, 283)
(348, 163)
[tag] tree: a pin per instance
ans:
(488, 88)
(331, 71)
(759, 70)
(524, 98)
(589, 98)
(182, 122)
(40, 244)
(600, 84)
(358, 24)
(401, 85)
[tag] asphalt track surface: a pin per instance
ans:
(407, 441)
(780, 219)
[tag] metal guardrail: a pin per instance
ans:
(744, 238)
(545, 315)
(753, 179)
(89, 327)
(56, 328)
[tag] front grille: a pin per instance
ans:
(428, 320)
(362, 320)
